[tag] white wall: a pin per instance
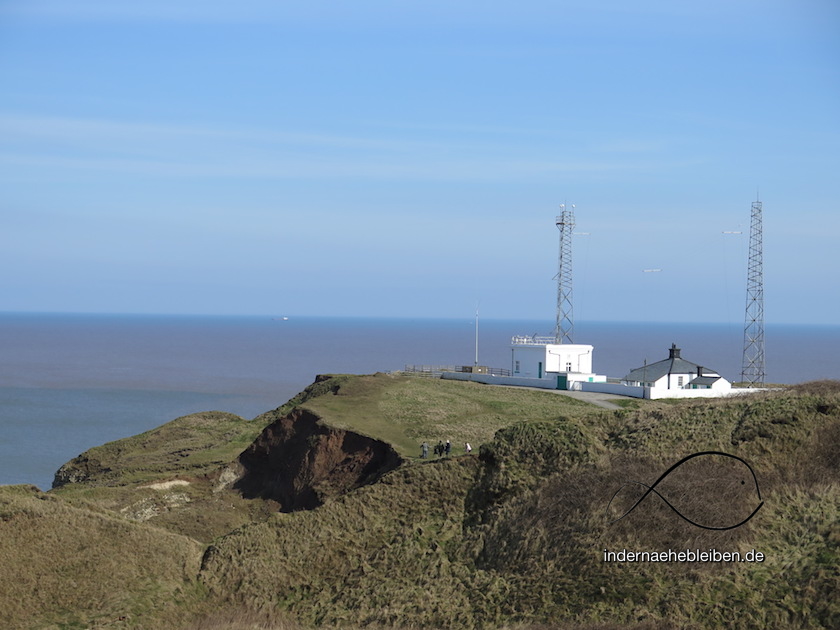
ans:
(720, 385)
(554, 358)
(656, 393)
(529, 358)
(609, 388)
(489, 379)
(569, 357)
(582, 377)
(603, 388)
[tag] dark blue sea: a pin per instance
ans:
(70, 382)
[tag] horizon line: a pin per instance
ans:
(470, 318)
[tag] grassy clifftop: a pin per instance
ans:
(407, 411)
(512, 536)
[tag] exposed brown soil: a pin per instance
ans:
(300, 462)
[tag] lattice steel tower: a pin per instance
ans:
(752, 368)
(564, 329)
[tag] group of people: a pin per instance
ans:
(442, 449)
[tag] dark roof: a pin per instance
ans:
(674, 364)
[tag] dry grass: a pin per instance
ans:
(512, 538)
(383, 554)
(72, 566)
(524, 537)
(242, 619)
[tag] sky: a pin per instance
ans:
(408, 159)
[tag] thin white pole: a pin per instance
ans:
(476, 336)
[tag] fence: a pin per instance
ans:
(532, 340)
(435, 371)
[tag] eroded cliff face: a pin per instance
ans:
(299, 462)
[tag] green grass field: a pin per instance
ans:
(407, 411)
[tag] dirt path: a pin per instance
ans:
(595, 398)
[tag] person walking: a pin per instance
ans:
(467, 448)
(448, 447)
(425, 450)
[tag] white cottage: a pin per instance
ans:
(676, 373)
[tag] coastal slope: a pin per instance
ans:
(321, 512)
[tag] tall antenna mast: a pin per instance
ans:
(752, 368)
(564, 328)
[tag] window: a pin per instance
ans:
(516, 367)
(680, 381)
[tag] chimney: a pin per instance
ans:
(674, 352)
(699, 370)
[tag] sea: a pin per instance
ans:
(69, 382)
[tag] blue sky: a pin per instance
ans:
(408, 158)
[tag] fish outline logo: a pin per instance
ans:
(652, 489)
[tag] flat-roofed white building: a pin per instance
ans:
(542, 358)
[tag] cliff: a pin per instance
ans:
(208, 472)
(321, 513)
(300, 462)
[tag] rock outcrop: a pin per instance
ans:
(79, 470)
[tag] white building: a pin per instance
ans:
(542, 358)
(675, 373)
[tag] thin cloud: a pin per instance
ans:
(98, 130)
(316, 168)
(164, 150)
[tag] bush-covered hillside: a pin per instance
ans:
(511, 536)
